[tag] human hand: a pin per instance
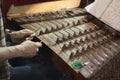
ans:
(28, 48)
(20, 36)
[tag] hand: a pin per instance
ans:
(20, 36)
(29, 48)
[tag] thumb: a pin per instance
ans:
(39, 44)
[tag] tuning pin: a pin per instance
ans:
(71, 33)
(51, 38)
(80, 49)
(77, 32)
(93, 34)
(64, 24)
(100, 32)
(78, 40)
(95, 43)
(69, 22)
(59, 26)
(88, 37)
(52, 26)
(82, 30)
(65, 34)
(74, 21)
(70, 13)
(46, 26)
(74, 51)
(68, 54)
(65, 45)
(85, 47)
(28, 26)
(93, 26)
(44, 29)
(83, 38)
(59, 35)
(90, 44)
(72, 42)
(35, 25)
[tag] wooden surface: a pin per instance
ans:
(42, 7)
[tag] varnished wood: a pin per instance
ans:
(42, 7)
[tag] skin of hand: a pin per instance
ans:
(29, 48)
(22, 35)
(25, 49)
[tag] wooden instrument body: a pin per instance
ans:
(74, 34)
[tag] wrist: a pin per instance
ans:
(16, 51)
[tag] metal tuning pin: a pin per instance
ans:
(28, 26)
(73, 53)
(71, 33)
(41, 29)
(60, 36)
(65, 45)
(93, 26)
(59, 26)
(78, 11)
(70, 22)
(71, 13)
(74, 21)
(65, 24)
(80, 19)
(51, 38)
(53, 26)
(65, 34)
(77, 32)
(47, 27)
(82, 30)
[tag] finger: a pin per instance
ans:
(29, 38)
(27, 35)
(37, 50)
(32, 35)
(38, 44)
(27, 32)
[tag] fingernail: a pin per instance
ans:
(38, 44)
